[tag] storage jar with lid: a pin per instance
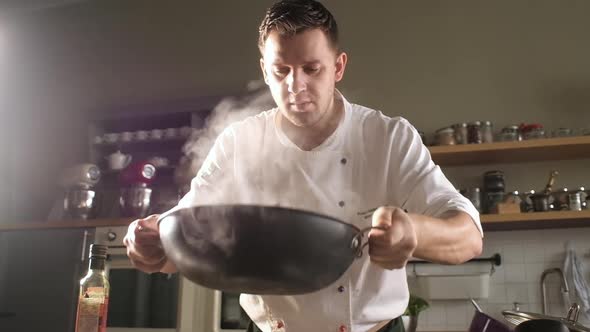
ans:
(532, 131)
(474, 135)
(460, 130)
(487, 132)
(445, 136)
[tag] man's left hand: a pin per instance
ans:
(392, 247)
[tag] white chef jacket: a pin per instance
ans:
(371, 160)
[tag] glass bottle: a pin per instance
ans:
(487, 132)
(474, 135)
(93, 299)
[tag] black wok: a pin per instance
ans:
(257, 249)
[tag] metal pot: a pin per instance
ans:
(257, 249)
(541, 325)
(540, 202)
(571, 321)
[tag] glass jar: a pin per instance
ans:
(474, 135)
(562, 132)
(509, 134)
(487, 132)
(460, 130)
(493, 181)
(533, 131)
(445, 136)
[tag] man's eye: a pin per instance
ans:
(281, 71)
(312, 70)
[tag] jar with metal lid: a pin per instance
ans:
(474, 135)
(562, 132)
(487, 132)
(532, 131)
(445, 136)
(509, 134)
(460, 130)
(493, 181)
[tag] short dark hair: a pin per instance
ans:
(290, 17)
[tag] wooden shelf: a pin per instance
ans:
(179, 139)
(536, 220)
(65, 224)
(512, 152)
(490, 222)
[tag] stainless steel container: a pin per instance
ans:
(561, 199)
(79, 203)
(135, 201)
(575, 201)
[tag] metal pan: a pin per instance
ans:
(259, 249)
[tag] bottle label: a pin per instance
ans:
(92, 311)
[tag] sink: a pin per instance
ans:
(516, 317)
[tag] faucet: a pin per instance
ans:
(564, 287)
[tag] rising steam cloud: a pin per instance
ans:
(228, 111)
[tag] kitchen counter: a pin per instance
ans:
(92, 223)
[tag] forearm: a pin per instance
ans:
(452, 239)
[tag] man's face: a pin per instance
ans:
(301, 72)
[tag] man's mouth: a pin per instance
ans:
(300, 106)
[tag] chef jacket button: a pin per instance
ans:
(341, 203)
(342, 328)
(343, 161)
(341, 289)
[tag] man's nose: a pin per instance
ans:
(296, 82)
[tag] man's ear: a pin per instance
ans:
(263, 71)
(341, 66)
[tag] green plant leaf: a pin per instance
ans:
(416, 305)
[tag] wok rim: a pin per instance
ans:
(323, 217)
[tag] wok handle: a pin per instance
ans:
(357, 240)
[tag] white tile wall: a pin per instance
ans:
(525, 255)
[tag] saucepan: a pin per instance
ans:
(259, 249)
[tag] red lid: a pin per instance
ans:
(531, 126)
(138, 173)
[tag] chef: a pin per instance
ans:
(317, 151)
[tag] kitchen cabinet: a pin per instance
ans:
(563, 148)
(146, 131)
(39, 274)
(154, 133)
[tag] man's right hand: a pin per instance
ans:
(144, 247)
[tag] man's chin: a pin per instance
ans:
(301, 119)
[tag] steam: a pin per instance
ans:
(228, 111)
